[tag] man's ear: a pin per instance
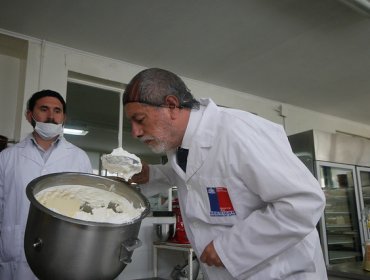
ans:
(28, 115)
(172, 102)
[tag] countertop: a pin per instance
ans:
(350, 270)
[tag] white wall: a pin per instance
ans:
(9, 84)
(298, 120)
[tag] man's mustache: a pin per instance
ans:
(145, 138)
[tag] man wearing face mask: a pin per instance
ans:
(42, 152)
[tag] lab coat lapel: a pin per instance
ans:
(60, 151)
(31, 153)
(203, 139)
(195, 161)
(173, 161)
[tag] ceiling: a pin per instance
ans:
(309, 53)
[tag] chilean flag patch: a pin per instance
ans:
(219, 201)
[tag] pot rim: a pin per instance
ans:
(33, 201)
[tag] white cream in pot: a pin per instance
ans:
(68, 199)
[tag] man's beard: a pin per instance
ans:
(164, 133)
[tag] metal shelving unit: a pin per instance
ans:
(174, 247)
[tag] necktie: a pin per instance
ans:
(182, 157)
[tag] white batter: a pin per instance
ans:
(122, 162)
(68, 199)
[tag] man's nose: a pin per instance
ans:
(136, 130)
(50, 119)
(50, 115)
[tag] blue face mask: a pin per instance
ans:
(48, 131)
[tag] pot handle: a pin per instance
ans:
(127, 247)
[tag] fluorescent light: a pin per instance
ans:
(73, 131)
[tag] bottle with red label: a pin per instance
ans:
(180, 234)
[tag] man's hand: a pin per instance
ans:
(210, 256)
(142, 177)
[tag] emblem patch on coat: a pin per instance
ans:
(219, 201)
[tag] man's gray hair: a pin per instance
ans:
(153, 85)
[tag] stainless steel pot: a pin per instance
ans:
(59, 247)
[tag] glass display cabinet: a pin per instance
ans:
(341, 164)
(340, 224)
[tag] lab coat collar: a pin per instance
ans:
(29, 150)
(201, 141)
(207, 129)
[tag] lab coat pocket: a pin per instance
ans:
(11, 243)
(211, 202)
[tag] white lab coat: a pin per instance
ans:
(20, 164)
(276, 202)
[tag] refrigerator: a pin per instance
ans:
(341, 164)
(363, 173)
